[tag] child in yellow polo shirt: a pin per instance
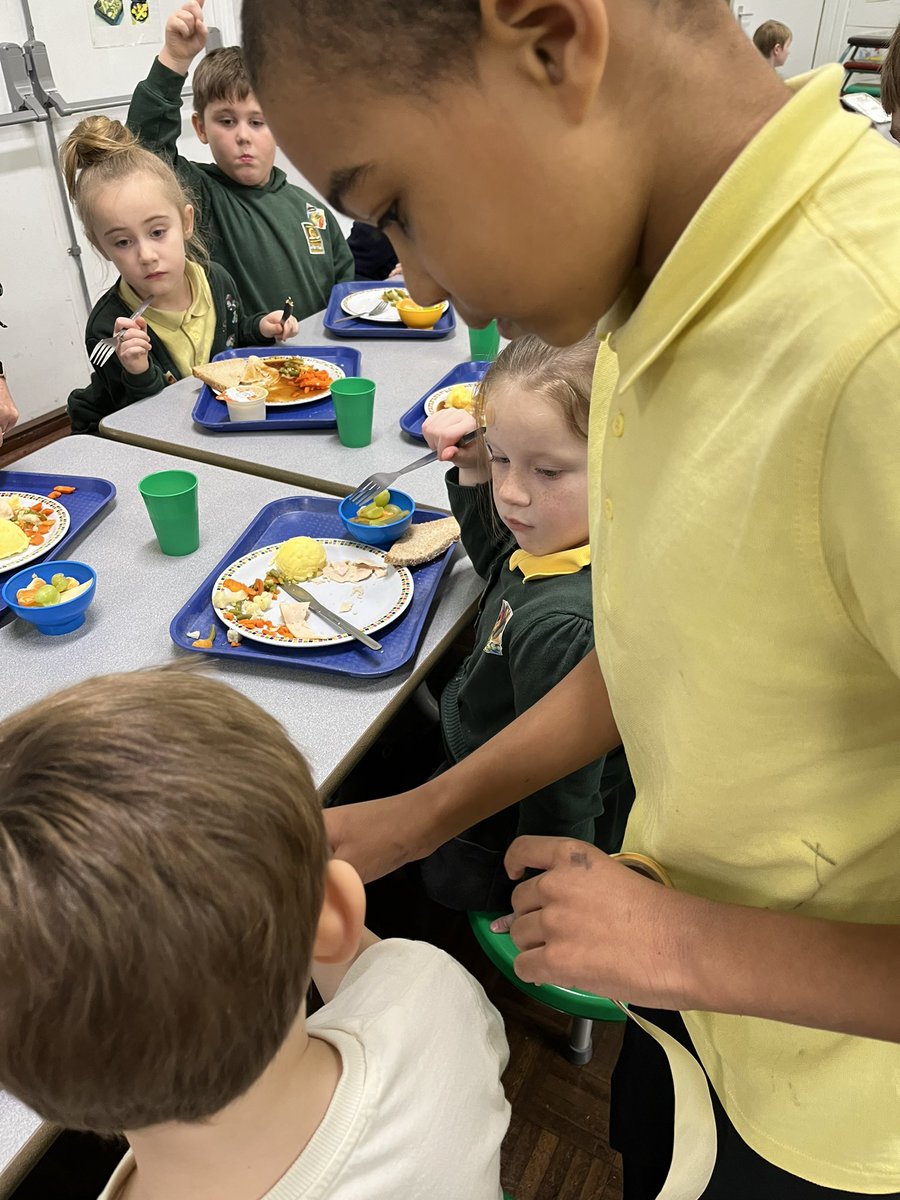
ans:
(552, 163)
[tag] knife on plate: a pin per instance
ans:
(326, 614)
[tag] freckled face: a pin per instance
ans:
(538, 471)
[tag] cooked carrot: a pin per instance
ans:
(61, 487)
(233, 586)
(53, 495)
(37, 539)
(206, 643)
(48, 512)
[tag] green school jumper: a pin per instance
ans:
(112, 387)
(532, 629)
(275, 241)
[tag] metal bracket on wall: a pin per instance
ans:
(48, 92)
(25, 104)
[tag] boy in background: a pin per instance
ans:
(274, 239)
(741, 236)
(165, 894)
(773, 41)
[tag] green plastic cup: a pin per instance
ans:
(171, 499)
(354, 406)
(484, 343)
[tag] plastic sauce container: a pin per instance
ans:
(246, 403)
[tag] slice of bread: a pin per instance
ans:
(232, 372)
(423, 542)
(222, 375)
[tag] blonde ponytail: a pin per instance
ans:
(99, 152)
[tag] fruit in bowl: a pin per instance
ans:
(417, 316)
(52, 597)
(381, 521)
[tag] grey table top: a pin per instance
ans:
(403, 371)
(332, 718)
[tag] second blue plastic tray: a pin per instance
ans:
(212, 413)
(85, 504)
(311, 516)
(357, 328)
(467, 372)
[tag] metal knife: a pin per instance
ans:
(326, 614)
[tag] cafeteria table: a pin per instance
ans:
(403, 372)
(333, 719)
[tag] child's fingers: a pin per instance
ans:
(502, 924)
(123, 324)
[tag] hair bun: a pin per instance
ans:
(94, 140)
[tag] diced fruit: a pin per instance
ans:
(46, 595)
(382, 499)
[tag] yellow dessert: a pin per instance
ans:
(461, 395)
(300, 558)
(12, 539)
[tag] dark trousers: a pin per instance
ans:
(642, 1119)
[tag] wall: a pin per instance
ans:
(43, 306)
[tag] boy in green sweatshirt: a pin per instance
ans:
(274, 239)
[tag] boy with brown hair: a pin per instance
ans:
(737, 240)
(275, 239)
(165, 893)
(773, 40)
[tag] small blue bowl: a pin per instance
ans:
(57, 618)
(379, 535)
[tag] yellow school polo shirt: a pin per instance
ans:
(745, 523)
(188, 336)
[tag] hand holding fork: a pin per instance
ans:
(137, 350)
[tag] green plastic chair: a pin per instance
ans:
(582, 1007)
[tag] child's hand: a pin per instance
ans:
(133, 348)
(444, 430)
(186, 36)
(272, 326)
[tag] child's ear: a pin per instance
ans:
(188, 221)
(563, 43)
(342, 916)
(199, 129)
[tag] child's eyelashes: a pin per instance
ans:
(392, 216)
(548, 473)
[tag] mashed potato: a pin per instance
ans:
(300, 558)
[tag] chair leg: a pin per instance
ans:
(580, 1048)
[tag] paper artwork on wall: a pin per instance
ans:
(123, 22)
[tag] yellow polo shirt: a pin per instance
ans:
(188, 336)
(745, 524)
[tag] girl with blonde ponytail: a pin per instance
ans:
(137, 216)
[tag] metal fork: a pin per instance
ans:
(382, 481)
(373, 312)
(106, 347)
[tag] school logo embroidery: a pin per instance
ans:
(494, 644)
(313, 238)
(316, 216)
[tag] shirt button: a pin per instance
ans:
(608, 508)
(618, 425)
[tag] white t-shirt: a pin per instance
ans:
(419, 1112)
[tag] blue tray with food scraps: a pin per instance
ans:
(336, 321)
(212, 413)
(468, 372)
(84, 505)
(311, 516)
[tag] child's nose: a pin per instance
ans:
(418, 282)
(510, 488)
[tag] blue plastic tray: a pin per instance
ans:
(374, 329)
(467, 372)
(311, 516)
(212, 414)
(85, 504)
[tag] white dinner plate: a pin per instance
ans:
(432, 401)
(375, 602)
(60, 520)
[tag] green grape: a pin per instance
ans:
(59, 582)
(46, 595)
(383, 499)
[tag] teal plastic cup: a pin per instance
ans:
(354, 407)
(484, 343)
(171, 499)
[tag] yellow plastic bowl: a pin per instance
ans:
(416, 317)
